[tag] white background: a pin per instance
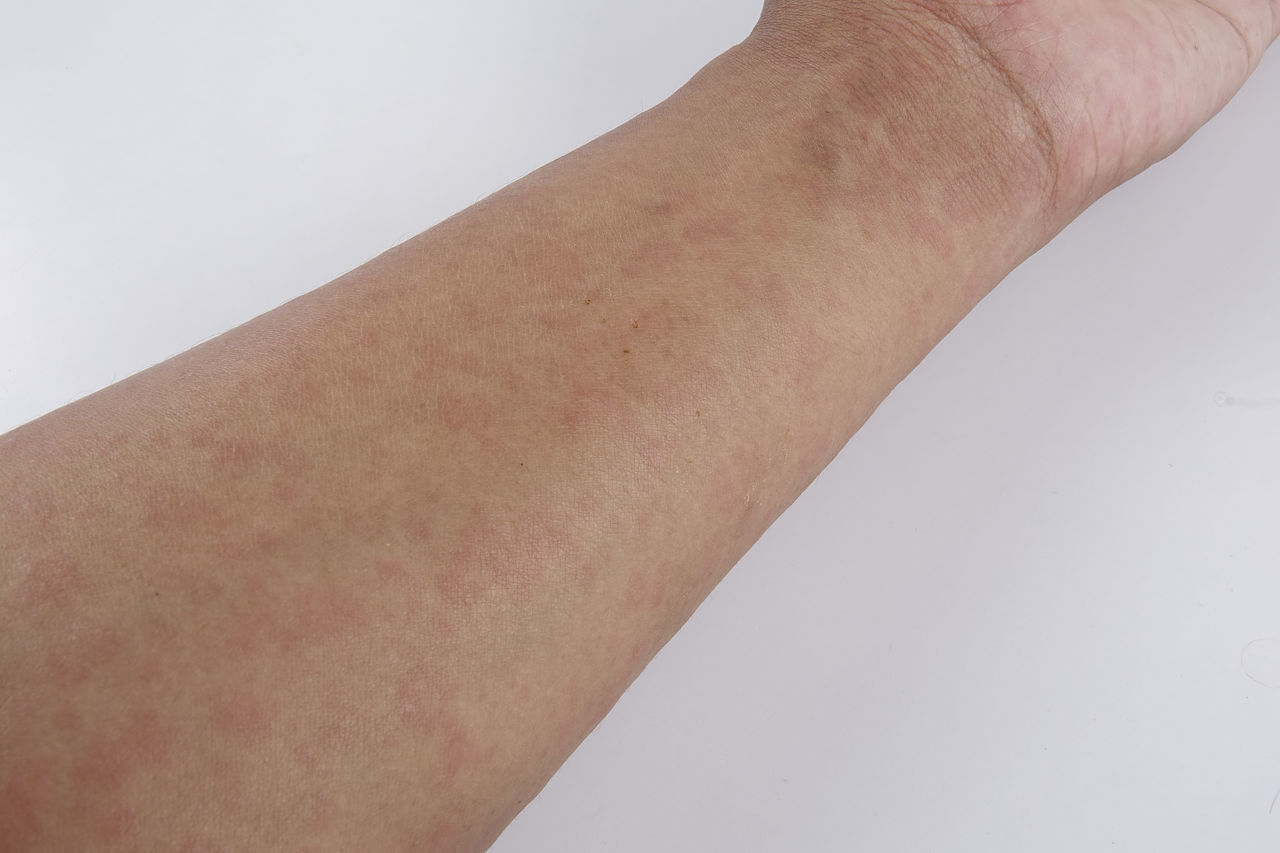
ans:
(1021, 612)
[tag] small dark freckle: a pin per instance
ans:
(635, 324)
(586, 302)
(698, 412)
(627, 351)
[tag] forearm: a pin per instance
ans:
(364, 571)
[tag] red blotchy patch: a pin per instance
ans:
(22, 798)
(718, 226)
(110, 762)
(258, 543)
(241, 714)
(66, 719)
(643, 593)
(50, 582)
(74, 662)
(323, 811)
(322, 612)
(505, 557)
(421, 530)
(292, 615)
(167, 508)
(653, 258)
(194, 845)
(934, 234)
(470, 413)
(389, 570)
(151, 668)
(117, 824)
(459, 749)
(286, 488)
(238, 457)
(446, 835)
(427, 699)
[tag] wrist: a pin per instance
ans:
(903, 101)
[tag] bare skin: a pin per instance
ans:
(361, 573)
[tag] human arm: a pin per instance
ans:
(592, 440)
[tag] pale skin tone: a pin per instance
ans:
(361, 573)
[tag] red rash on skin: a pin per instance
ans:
(181, 507)
(241, 714)
(259, 543)
(309, 612)
(459, 749)
(497, 556)
(445, 836)
(116, 825)
(237, 456)
(653, 259)
(469, 413)
(323, 810)
(196, 846)
(285, 488)
(389, 570)
(110, 762)
(421, 530)
(239, 459)
(51, 582)
(22, 799)
(76, 660)
(66, 719)
(585, 399)
(436, 358)
(714, 226)
(427, 698)
(930, 231)
(644, 593)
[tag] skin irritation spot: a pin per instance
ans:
(240, 714)
(653, 259)
(286, 488)
(389, 570)
(259, 543)
(498, 556)
(66, 719)
(117, 824)
(930, 231)
(179, 507)
(83, 655)
(22, 800)
(289, 616)
(716, 226)
(323, 811)
(427, 698)
(644, 593)
(469, 413)
(110, 762)
(51, 583)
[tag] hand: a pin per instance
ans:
(1117, 84)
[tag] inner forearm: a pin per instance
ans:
(369, 567)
